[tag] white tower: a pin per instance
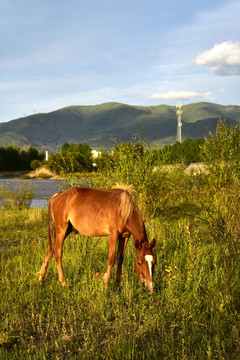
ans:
(179, 113)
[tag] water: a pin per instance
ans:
(44, 189)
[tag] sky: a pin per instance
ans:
(57, 53)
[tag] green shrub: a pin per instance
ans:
(221, 153)
(17, 199)
(35, 164)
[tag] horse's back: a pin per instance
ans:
(91, 211)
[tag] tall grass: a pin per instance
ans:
(190, 315)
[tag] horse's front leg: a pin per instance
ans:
(113, 238)
(121, 251)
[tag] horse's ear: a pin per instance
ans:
(153, 244)
(138, 245)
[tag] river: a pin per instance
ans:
(44, 189)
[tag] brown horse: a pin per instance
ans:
(98, 212)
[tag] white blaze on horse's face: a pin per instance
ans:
(149, 259)
(144, 264)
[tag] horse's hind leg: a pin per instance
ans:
(45, 263)
(51, 241)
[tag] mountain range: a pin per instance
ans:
(98, 125)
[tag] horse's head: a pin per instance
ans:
(144, 264)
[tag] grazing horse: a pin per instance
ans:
(99, 212)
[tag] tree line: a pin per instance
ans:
(78, 157)
(189, 151)
(14, 159)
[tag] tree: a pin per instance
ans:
(26, 157)
(188, 151)
(72, 158)
(221, 152)
(12, 159)
(3, 159)
(104, 161)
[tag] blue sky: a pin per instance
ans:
(73, 52)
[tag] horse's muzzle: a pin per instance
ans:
(148, 287)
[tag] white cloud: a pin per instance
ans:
(181, 95)
(223, 59)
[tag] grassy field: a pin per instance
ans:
(192, 314)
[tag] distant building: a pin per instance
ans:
(96, 154)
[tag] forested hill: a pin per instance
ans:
(98, 125)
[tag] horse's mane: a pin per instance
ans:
(127, 201)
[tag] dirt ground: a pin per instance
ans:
(43, 170)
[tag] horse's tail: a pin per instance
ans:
(51, 227)
(127, 201)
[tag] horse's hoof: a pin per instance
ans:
(106, 280)
(40, 277)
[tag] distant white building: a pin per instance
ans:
(96, 154)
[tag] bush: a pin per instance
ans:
(189, 151)
(221, 153)
(35, 164)
(17, 199)
(72, 158)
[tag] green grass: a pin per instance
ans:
(192, 314)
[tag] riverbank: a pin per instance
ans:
(40, 173)
(43, 173)
(42, 189)
(13, 174)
